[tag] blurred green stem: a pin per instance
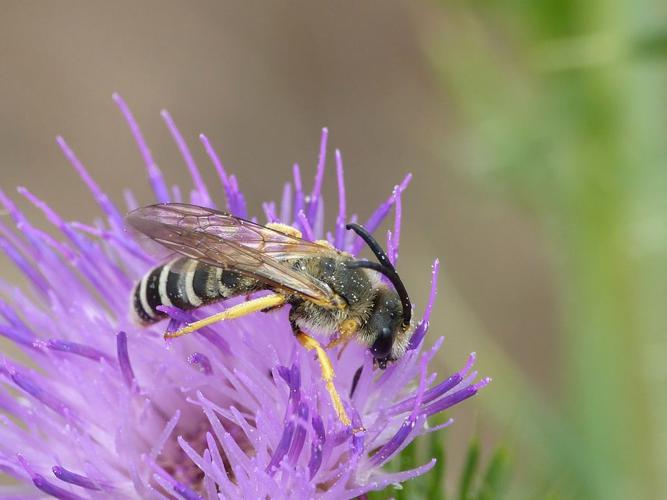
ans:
(597, 288)
(584, 145)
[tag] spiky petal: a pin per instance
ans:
(236, 410)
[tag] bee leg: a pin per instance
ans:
(347, 330)
(273, 308)
(239, 310)
(327, 373)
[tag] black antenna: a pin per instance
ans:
(372, 244)
(392, 275)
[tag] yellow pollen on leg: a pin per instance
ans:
(237, 311)
(347, 330)
(327, 375)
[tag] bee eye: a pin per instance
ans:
(381, 348)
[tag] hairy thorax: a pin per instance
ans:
(356, 286)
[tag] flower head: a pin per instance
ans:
(237, 410)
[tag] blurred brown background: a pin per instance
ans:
(261, 79)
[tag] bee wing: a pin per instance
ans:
(223, 240)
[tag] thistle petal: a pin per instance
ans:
(237, 409)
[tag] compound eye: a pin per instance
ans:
(381, 348)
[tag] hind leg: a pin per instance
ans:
(238, 311)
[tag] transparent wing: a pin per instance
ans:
(226, 241)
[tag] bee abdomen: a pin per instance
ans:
(186, 284)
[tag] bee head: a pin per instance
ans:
(387, 329)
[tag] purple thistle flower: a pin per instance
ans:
(236, 410)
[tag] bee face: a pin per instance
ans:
(385, 328)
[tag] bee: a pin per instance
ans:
(329, 291)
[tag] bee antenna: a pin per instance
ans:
(395, 279)
(372, 243)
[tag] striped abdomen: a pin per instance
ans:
(186, 284)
